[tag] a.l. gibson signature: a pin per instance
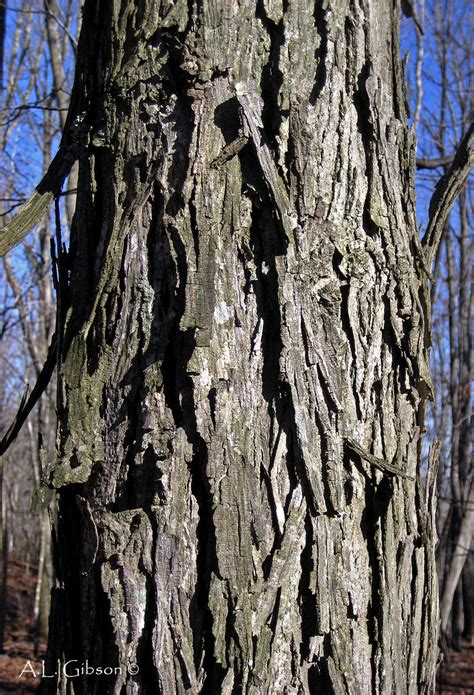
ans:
(73, 669)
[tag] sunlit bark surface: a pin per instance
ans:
(244, 363)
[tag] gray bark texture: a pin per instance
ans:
(243, 367)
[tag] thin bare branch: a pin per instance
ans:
(445, 193)
(27, 403)
(427, 163)
(49, 187)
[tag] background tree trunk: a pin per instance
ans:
(4, 561)
(244, 364)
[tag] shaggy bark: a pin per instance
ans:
(243, 368)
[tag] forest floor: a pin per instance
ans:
(19, 633)
(455, 677)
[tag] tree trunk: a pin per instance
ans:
(468, 599)
(460, 553)
(43, 585)
(3, 559)
(244, 362)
